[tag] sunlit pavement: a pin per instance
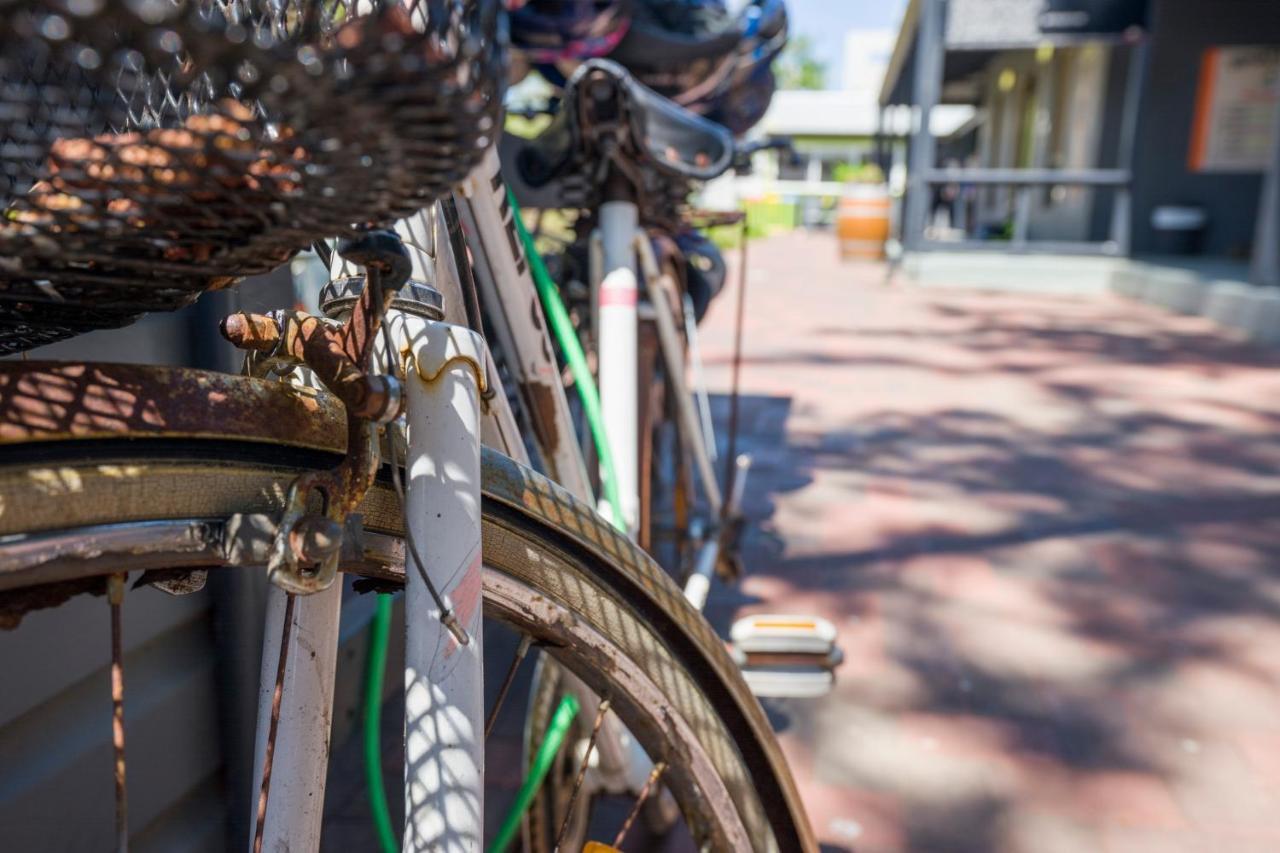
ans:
(1047, 529)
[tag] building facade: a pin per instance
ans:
(1111, 127)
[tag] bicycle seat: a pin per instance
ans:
(602, 101)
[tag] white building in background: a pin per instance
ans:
(839, 125)
(831, 128)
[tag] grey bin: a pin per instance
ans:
(1179, 229)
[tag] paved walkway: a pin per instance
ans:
(1049, 531)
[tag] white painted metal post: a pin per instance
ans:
(444, 700)
(300, 760)
(619, 394)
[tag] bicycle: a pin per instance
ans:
(184, 473)
(625, 158)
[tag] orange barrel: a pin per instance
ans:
(862, 222)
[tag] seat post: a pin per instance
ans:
(614, 295)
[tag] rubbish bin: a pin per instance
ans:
(1179, 228)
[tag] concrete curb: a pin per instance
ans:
(1212, 288)
(1246, 309)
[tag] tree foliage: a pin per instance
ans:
(798, 68)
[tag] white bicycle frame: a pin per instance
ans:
(444, 680)
(506, 287)
(614, 297)
(445, 369)
(300, 759)
(514, 309)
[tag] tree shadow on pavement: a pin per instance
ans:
(1058, 617)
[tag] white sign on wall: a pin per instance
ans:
(1235, 119)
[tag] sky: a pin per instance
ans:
(826, 21)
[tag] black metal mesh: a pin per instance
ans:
(154, 149)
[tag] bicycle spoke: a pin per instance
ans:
(635, 809)
(582, 772)
(521, 650)
(265, 790)
(115, 596)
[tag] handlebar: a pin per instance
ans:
(742, 154)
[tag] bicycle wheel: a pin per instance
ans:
(154, 492)
(666, 494)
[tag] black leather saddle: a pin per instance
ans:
(607, 113)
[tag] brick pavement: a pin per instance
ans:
(1048, 530)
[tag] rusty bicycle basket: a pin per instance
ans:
(155, 149)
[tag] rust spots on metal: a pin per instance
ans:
(257, 332)
(338, 354)
(115, 596)
(17, 603)
(52, 401)
(541, 400)
(300, 338)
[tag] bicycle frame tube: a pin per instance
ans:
(443, 390)
(615, 294)
(425, 236)
(300, 759)
(444, 700)
(510, 303)
(673, 357)
(699, 380)
(514, 313)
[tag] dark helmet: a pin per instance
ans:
(547, 31)
(740, 108)
(697, 53)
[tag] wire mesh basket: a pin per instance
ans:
(155, 149)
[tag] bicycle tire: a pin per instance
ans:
(578, 561)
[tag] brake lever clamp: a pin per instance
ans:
(340, 355)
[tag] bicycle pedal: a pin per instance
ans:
(783, 655)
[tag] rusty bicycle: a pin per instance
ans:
(155, 151)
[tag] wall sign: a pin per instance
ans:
(1235, 119)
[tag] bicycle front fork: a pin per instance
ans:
(441, 370)
(444, 655)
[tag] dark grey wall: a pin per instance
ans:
(191, 665)
(1182, 30)
(1100, 218)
